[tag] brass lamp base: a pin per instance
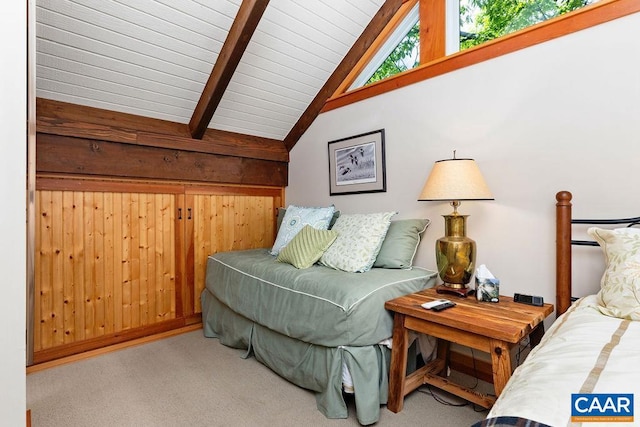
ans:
(455, 256)
(461, 292)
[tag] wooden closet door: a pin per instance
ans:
(105, 263)
(227, 219)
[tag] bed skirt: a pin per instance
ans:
(310, 366)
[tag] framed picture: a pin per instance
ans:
(356, 164)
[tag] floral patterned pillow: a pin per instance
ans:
(360, 237)
(619, 294)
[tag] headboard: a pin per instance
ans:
(564, 222)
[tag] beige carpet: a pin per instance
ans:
(190, 380)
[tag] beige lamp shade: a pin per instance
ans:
(455, 179)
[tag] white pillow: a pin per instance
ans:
(619, 294)
(360, 237)
(297, 217)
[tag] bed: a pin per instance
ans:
(592, 347)
(322, 328)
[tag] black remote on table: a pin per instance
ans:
(443, 306)
(528, 299)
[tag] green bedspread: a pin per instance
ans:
(317, 305)
(307, 325)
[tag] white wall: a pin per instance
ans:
(563, 115)
(13, 118)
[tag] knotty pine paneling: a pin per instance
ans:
(105, 263)
(118, 260)
(226, 222)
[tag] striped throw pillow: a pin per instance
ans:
(307, 247)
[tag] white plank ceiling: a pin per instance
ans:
(153, 57)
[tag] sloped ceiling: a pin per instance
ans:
(153, 57)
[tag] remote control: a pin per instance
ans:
(431, 304)
(443, 306)
(528, 299)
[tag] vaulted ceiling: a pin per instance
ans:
(254, 67)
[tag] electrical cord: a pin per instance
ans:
(440, 399)
(520, 355)
(475, 369)
(427, 389)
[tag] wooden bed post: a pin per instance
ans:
(563, 252)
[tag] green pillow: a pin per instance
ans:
(307, 247)
(401, 243)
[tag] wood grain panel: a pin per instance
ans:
(105, 264)
(432, 30)
(89, 157)
(64, 119)
(223, 222)
(88, 278)
(118, 260)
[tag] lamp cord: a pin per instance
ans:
(520, 354)
(477, 408)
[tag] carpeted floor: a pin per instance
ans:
(190, 380)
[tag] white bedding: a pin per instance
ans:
(583, 351)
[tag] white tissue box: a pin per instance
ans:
(488, 289)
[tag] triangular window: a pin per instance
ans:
(423, 32)
(400, 52)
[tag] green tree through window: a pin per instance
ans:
(480, 22)
(404, 57)
(484, 20)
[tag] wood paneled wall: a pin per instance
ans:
(105, 263)
(117, 260)
(226, 223)
(128, 210)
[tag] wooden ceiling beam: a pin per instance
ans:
(79, 121)
(64, 155)
(368, 36)
(242, 29)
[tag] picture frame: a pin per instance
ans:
(357, 164)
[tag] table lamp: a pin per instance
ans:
(455, 180)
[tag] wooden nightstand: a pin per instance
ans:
(494, 328)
